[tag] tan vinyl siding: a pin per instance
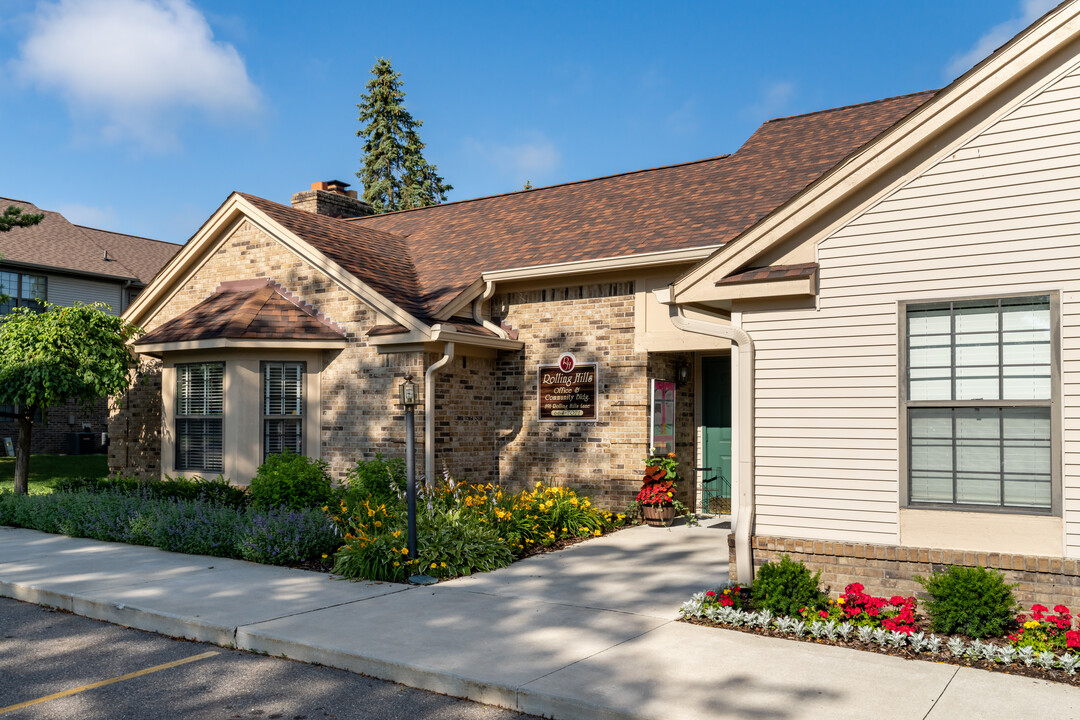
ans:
(999, 214)
(65, 290)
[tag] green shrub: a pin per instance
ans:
(970, 600)
(273, 536)
(786, 587)
(218, 490)
(291, 480)
(380, 480)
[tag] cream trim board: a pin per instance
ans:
(1010, 64)
(982, 532)
(227, 343)
(805, 286)
(599, 265)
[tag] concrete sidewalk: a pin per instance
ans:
(587, 632)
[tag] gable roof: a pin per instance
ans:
(422, 259)
(245, 310)
(57, 243)
(913, 138)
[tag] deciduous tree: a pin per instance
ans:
(65, 353)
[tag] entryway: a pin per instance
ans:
(714, 472)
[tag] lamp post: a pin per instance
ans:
(409, 400)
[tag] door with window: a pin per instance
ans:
(714, 475)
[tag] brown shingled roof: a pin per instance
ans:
(772, 272)
(246, 310)
(57, 243)
(421, 259)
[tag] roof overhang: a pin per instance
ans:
(159, 349)
(440, 332)
(579, 267)
(811, 208)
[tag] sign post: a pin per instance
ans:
(410, 400)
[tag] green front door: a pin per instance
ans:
(715, 472)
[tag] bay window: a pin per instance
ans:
(283, 407)
(200, 416)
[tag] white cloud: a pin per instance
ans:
(136, 65)
(773, 98)
(88, 215)
(533, 159)
(995, 37)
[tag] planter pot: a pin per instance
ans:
(658, 516)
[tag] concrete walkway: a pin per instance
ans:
(586, 632)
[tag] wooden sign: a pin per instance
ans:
(567, 391)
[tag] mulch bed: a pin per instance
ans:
(1058, 676)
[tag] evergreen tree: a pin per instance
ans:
(394, 172)
(15, 217)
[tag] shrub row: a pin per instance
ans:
(218, 491)
(276, 536)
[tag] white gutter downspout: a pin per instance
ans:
(478, 307)
(742, 371)
(429, 412)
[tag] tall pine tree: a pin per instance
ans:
(394, 172)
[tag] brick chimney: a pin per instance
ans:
(331, 199)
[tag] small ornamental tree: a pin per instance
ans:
(394, 172)
(65, 353)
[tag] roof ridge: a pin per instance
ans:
(849, 107)
(545, 187)
(114, 232)
(25, 202)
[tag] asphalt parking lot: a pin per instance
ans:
(117, 672)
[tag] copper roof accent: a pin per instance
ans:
(773, 272)
(57, 243)
(246, 310)
(421, 259)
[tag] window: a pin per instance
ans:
(978, 385)
(200, 415)
(283, 407)
(22, 291)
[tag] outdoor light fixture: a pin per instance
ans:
(410, 400)
(682, 374)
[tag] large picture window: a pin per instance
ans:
(979, 380)
(200, 416)
(22, 290)
(283, 407)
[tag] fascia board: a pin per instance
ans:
(582, 267)
(413, 336)
(230, 344)
(56, 270)
(954, 102)
(476, 340)
(162, 287)
(797, 287)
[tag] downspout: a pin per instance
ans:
(429, 412)
(743, 370)
(478, 307)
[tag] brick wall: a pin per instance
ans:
(52, 436)
(602, 459)
(464, 431)
(890, 569)
(135, 424)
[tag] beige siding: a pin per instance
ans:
(65, 290)
(1000, 213)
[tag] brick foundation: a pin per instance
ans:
(890, 569)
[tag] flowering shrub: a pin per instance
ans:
(276, 537)
(897, 614)
(461, 528)
(1041, 631)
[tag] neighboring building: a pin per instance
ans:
(869, 317)
(58, 262)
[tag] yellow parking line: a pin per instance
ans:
(110, 681)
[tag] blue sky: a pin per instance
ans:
(141, 116)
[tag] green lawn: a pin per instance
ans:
(46, 470)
